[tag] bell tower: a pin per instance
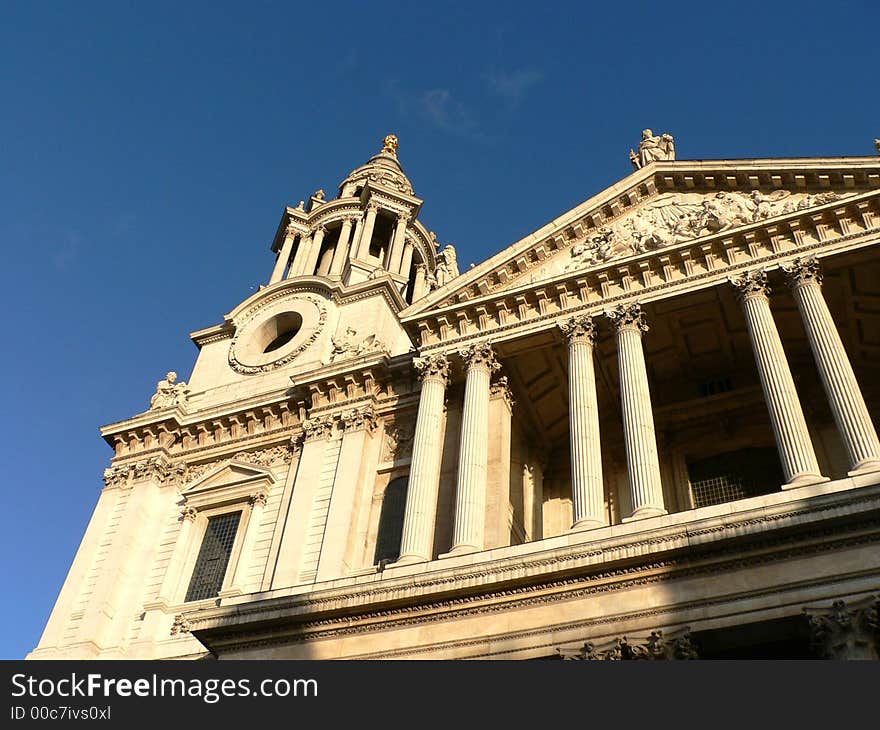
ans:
(369, 232)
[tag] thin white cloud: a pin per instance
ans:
(512, 86)
(439, 107)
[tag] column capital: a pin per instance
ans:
(846, 632)
(188, 513)
(363, 419)
(751, 284)
(802, 271)
(320, 427)
(479, 355)
(628, 316)
(372, 207)
(291, 230)
(501, 389)
(432, 366)
(259, 499)
(579, 329)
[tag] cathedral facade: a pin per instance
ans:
(644, 431)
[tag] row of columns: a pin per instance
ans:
(795, 448)
(398, 258)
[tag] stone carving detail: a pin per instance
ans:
(447, 266)
(579, 329)
(188, 513)
(240, 367)
(846, 632)
(436, 366)
(263, 457)
(260, 498)
(676, 217)
(320, 427)
(398, 440)
(478, 355)
(803, 271)
(169, 393)
(156, 467)
(349, 346)
(652, 148)
(751, 283)
(655, 647)
(501, 388)
(628, 315)
(319, 195)
(356, 419)
(180, 625)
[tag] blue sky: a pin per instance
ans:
(148, 149)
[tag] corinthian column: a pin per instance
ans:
(470, 490)
(340, 254)
(844, 395)
(789, 426)
(642, 461)
(583, 414)
(283, 256)
(367, 231)
(424, 477)
(315, 251)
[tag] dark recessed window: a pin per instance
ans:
(391, 521)
(280, 341)
(735, 475)
(207, 577)
(713, 386)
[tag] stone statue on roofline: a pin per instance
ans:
(653, 148)
(447, 265)
(169, 392)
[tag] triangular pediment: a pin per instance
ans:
(660, 206)
(231, 474)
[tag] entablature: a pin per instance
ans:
(822, 231)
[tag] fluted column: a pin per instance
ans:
(341, 252)
(643, 463)
(789, 425)
(844, 395)
(314, 251)
(302, 255)
(395, 254)
(424, 477)
(406, 262)
(420, 281)
(283, 257)
(367, 231)
(470, 488)
(588, 494)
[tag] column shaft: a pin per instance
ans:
(643, 463)
(283, 258)
(838, 379)
(588, 494)
(341, 253)
(470, 492)
(417, 543)
(395, 254)
(314, 252)
(367, 233)
(789, 425)
(302, 255)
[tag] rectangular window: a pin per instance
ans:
(210, 569)
(735, 475)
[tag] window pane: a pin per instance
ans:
(391, 521)
(735, 475)
(207, 577)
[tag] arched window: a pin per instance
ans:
(391, 521)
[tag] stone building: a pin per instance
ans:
(642, 431)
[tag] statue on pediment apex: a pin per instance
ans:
(447, 265)
(653, 148)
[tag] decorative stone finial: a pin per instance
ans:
(653, 148)
(390, 145)
(877, 145)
